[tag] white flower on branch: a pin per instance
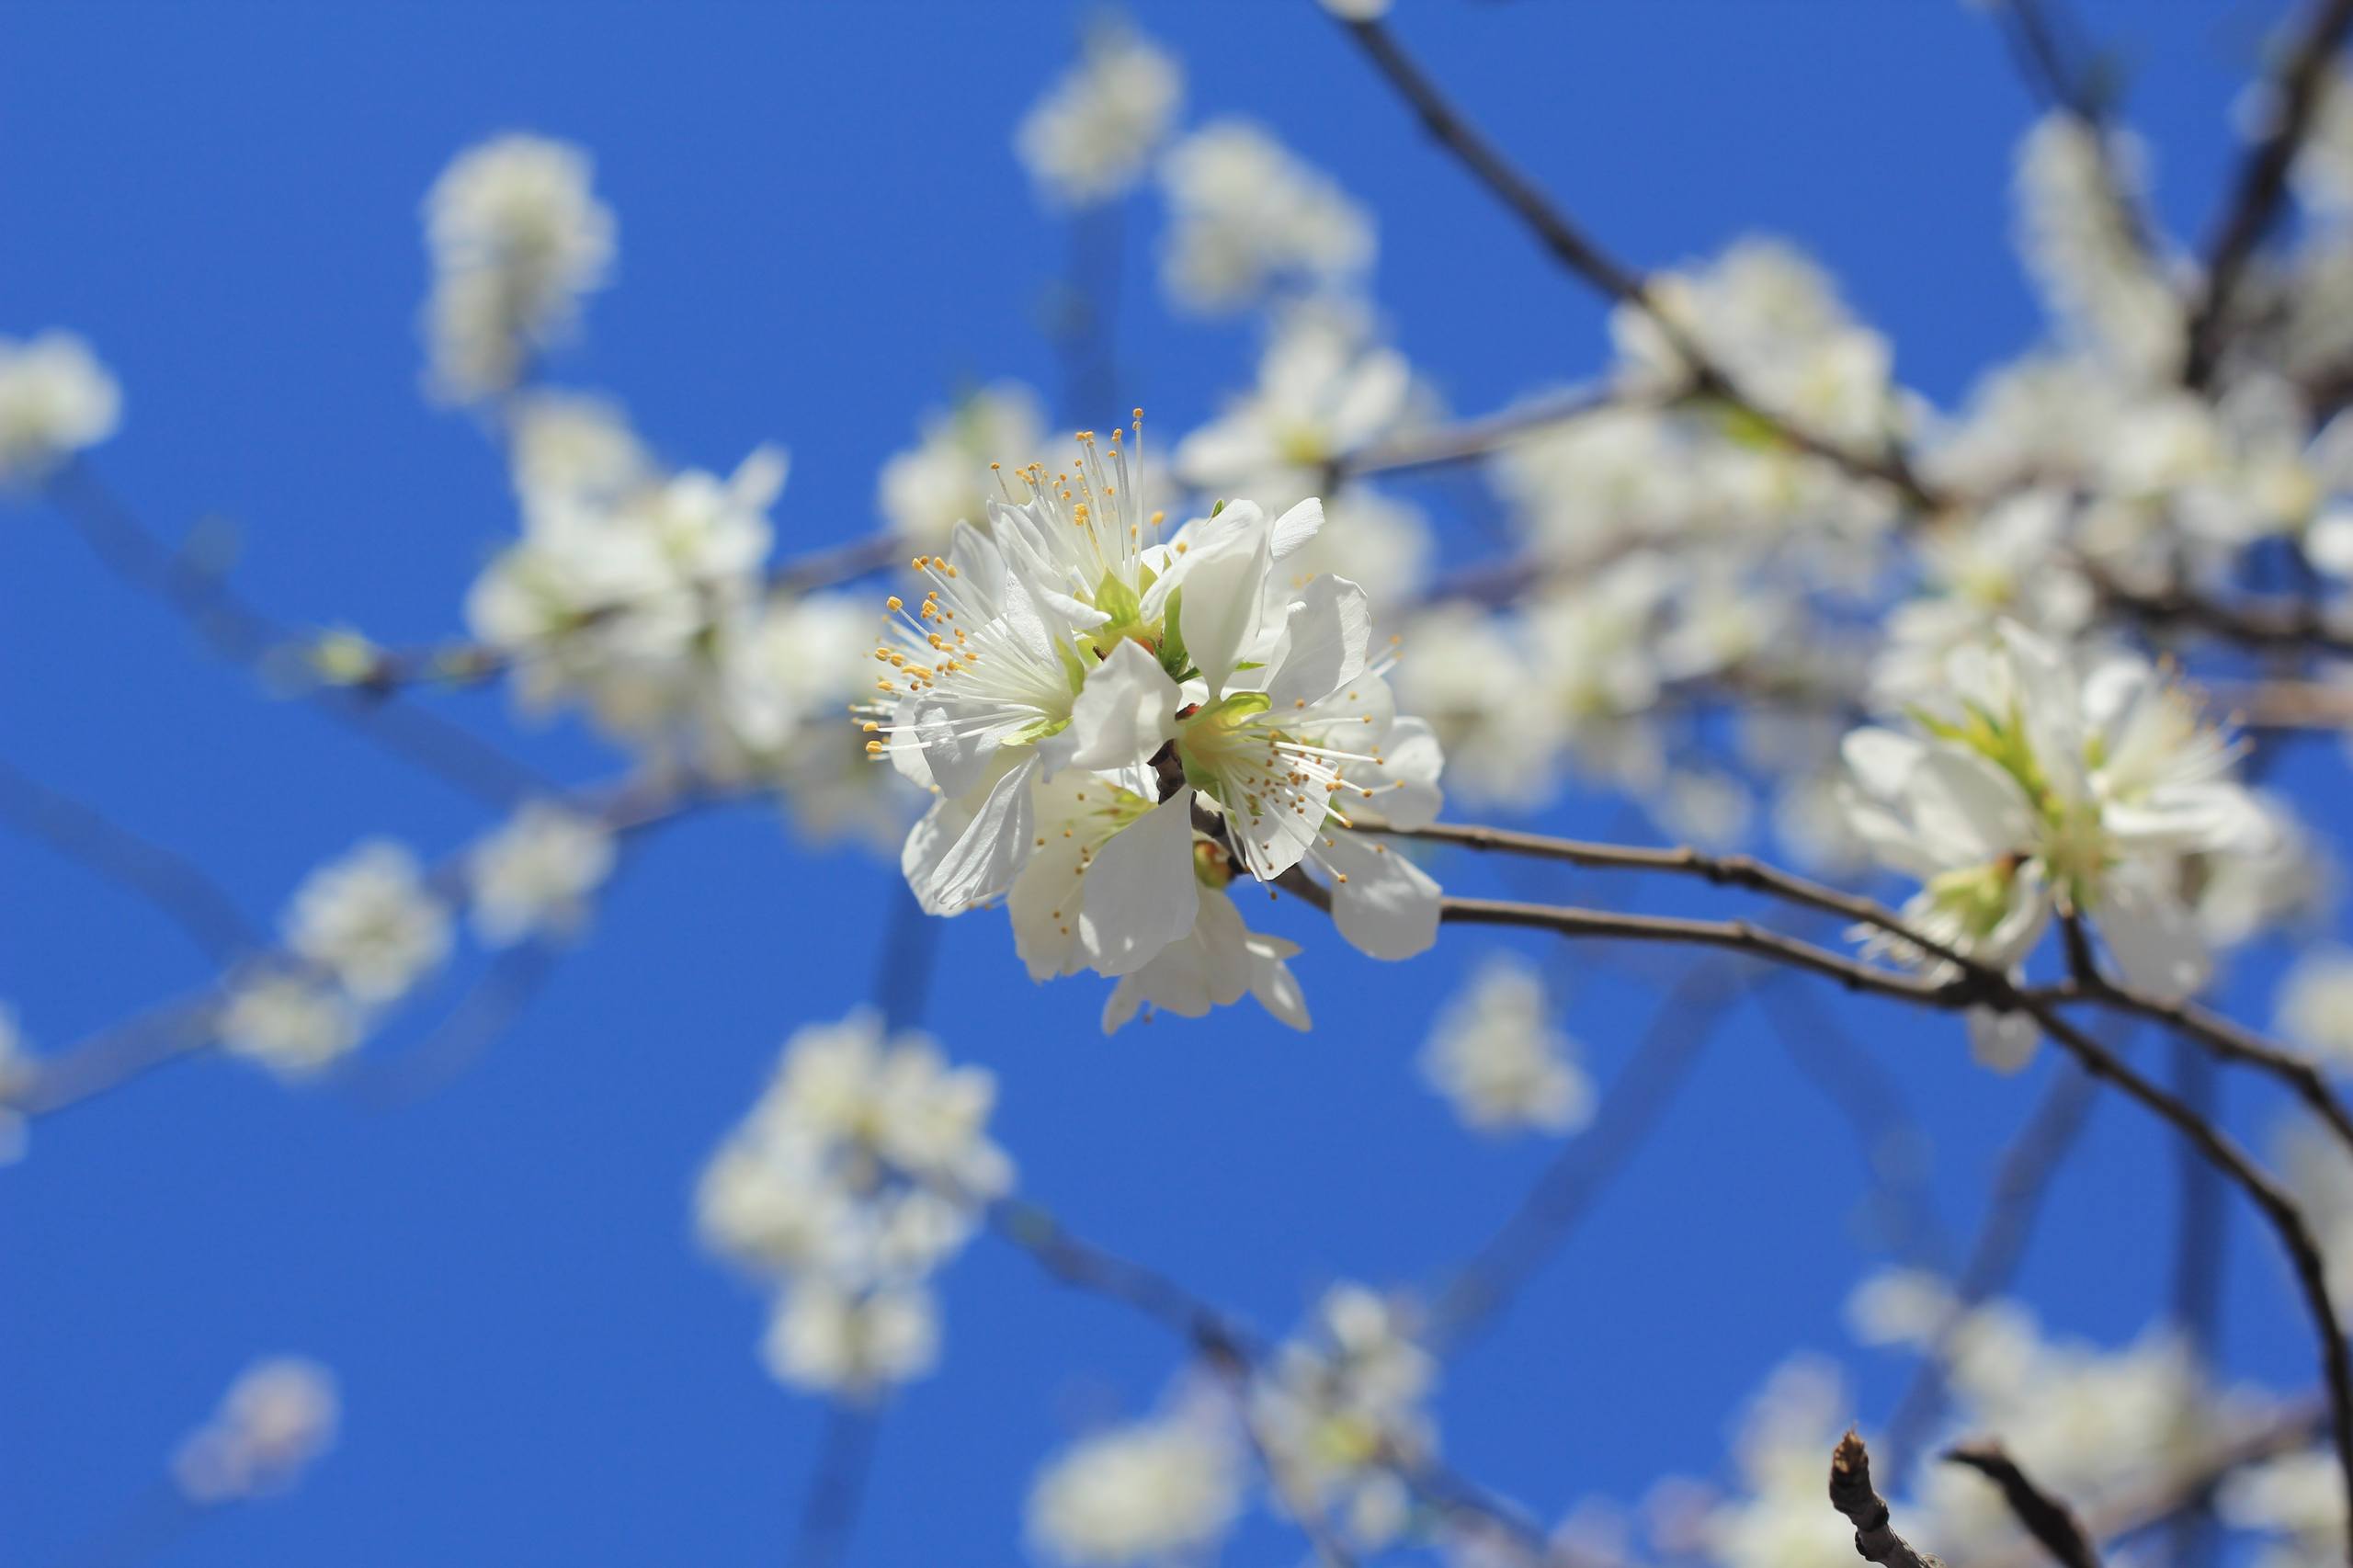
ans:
(289, 1023)
(2317, 1005)
(1115, 726)
(2031, 789)
(1160, 1490)
(55, 400)
(860, 1170)
(1247, 214)
(275, 1421)
(369, 920)
(517, 236)
(1497, 1057)
(1342, 1410)
(1093, 134)
(1324, 391)
(2298, 1500)
(535, 876)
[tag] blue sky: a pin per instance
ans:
(824, 232)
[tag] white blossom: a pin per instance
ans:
(1152, 1491)
(2034, 789)
(1341, 1409)
(275, 1421)
(2075, 186)
(289, 1023)
(1246, 214)
(1496, 1056)
(535, 876)
(369, 920)
(1092, 135)
(56, 398)
(517, 236)
(944, 479)
(827, 1339)
(1324, 392)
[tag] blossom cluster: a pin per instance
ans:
(861, 1169)
(1117, 727)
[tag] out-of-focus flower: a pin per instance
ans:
(517, 236)
(1324, 391)
(2317, 1005)
(945, 479)
(289, 1023)
(2075, 185)
(1342, 1410)
(276, 1421)
(1092, 135)
(1496, 1056)
(369, 920)
(534, 876)
(55, 400)
(860, 1170)
(1246, 214)
(2035, 789)
(1151, 1491)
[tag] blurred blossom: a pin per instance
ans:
(2030, 788)
(277, 1419)
(2075, 188)
(517, 236)
(369, 920)
(1324, 392)
(2296, 1499)
(862, 1168)
(1092, 135)
(2315, 1007)
(1159, 1490)
(534, 877)
(290, 1023)
(1496, 1056)
(946, 478)
(1342, 1408)
(1246, 214)
(55, 400)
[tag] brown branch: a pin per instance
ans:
(2046, 1519)
(2293, 625)
(1576, 251)
(1852, 1494)
(2263, 183)
(1975, 984)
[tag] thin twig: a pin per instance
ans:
(2046, 1519)
(2263, 182)
(243, 634)
(1852, 1494)
(1587, 260)
(174, 884)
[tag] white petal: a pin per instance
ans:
(1121, 715)
(1140, 893)
(982, 861)
(1388, 906)
(1324, 641)
(2003, 1041)
(1225, 579)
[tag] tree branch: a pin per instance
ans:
(1852, 1494)
(2046, 1519)
(2263, 183)
(1584, 257)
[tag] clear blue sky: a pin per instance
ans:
(823, 232)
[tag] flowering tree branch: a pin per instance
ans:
(1581, 255)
